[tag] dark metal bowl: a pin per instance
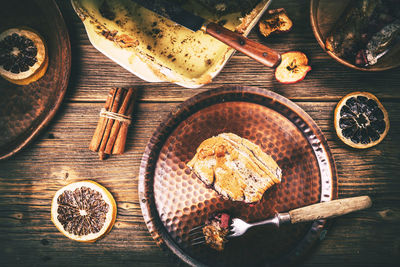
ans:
(324, 15)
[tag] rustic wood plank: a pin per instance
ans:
(60, 156)
(93, 73)
(330, 209)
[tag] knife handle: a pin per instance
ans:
(330, 209)
(257, 51)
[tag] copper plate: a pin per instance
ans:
(173, 200)
(324, 15)
(25, 110)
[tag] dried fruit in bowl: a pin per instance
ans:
(366, 31)
(379, 45)
(275, 20)
(360, 120)
(293, 67)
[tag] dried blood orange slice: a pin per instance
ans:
(83, 211)
(23, 56)
(360, 120)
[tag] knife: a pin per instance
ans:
(177, 14)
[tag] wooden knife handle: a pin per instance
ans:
(257, 51)
(329, 209)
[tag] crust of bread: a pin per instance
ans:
(203, 166)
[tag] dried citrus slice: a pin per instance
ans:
(83, 211)
(23, 56)
(360, 120)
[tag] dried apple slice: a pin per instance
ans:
(275, 20)
(293, 67)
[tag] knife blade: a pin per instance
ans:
(177, 14)
(174, 13)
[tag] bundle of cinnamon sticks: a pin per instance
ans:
(112, 128)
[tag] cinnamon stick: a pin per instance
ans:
(119, 145)
(117, 124)
(112, 128)
(102, 123)
(110, 122)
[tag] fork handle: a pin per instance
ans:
(330, 209)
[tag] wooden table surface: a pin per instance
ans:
(60, 156)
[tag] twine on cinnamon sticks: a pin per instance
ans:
(112, 128)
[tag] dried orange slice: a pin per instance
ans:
(360, 120)
(83, 211)
(23, 55)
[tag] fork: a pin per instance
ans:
(323, 210)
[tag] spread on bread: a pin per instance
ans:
(235, 167)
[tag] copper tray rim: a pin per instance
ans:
(317, 34)
(153, 148)
(64, 85)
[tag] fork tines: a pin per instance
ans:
(198, 241)
(196, 235)
(196, 230)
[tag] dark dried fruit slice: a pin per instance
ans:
(360, 120)
(293, 67)
(83, 211)
(275, 20)
(23, 56)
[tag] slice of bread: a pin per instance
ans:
(235, 167)
(265, 161)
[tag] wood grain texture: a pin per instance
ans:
(331, 209)
(60, 155)
(29, 180)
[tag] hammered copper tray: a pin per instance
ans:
(173, 200)
(26, 110)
